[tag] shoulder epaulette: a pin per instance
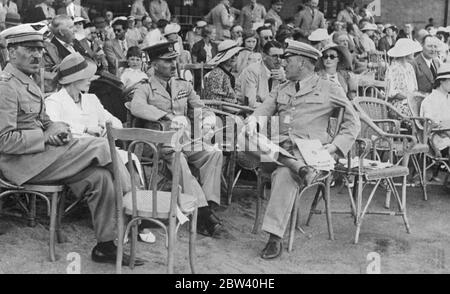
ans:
(5, 76)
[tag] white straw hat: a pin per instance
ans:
(74, 68)
(226, 50)
(319, 35)
(369, 27)
(404, 47)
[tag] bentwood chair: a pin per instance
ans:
(150, 204)
(386, 122)
(54, 204)
(323, 186)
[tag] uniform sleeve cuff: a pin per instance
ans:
(34, 141)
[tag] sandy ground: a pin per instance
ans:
(425, 250)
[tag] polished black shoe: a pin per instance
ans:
(210, 227)
(272, 250)
(101, 256)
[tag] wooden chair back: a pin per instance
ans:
(154, 140)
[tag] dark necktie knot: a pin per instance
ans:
(297, 86)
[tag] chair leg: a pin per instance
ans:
(314, 206)
(59, 235)
(53, 213)
(134, 233)
(294, 216)
(230, 176)
(387, 203)
(192, 240)
(424, 177)
(32, 211)
(171, 244)
(326, 194)
(259, 196)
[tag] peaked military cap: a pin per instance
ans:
(25, 34)
(164, 50)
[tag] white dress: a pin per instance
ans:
(61, 107)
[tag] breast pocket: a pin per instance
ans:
(313, 99)
(283, 101)
(29, 107)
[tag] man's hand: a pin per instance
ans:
(58, 134)
(251, 125)
(179, 122)
(278, 74)
(331, 148)
(208, 125)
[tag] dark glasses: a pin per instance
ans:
(332, 57)
(268, 38)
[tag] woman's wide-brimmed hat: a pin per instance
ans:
(443, 72)
(226, 50)
(369, 27)
(404, 47)
(74, 68)
(319, 35)
(345, 56)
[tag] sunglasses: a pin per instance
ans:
(268, 38)
(332, 57)
(118, 31)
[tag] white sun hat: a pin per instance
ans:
(226, 50)
(319, 35)
(404, 47)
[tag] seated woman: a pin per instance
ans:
(134, 73)
(83, 112)
(220, 82)
(336, 66)
(436, 107)
(400, 76)
(250, 41)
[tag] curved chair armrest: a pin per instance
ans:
(243, 108)
(7, 185)
(439, 130)
(393, 122)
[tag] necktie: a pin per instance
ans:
(433, 70)
(297, 87)
(168, 89)
(252, 7)
(270, 84)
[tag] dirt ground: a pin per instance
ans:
(426, 250)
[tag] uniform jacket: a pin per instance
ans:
(307, 23)
(424, 76)
(152, 102)
(220, 17)
(23, 152)
(306, 113)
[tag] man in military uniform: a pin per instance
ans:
(167, 99)
(35, 150)
(304, 104)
